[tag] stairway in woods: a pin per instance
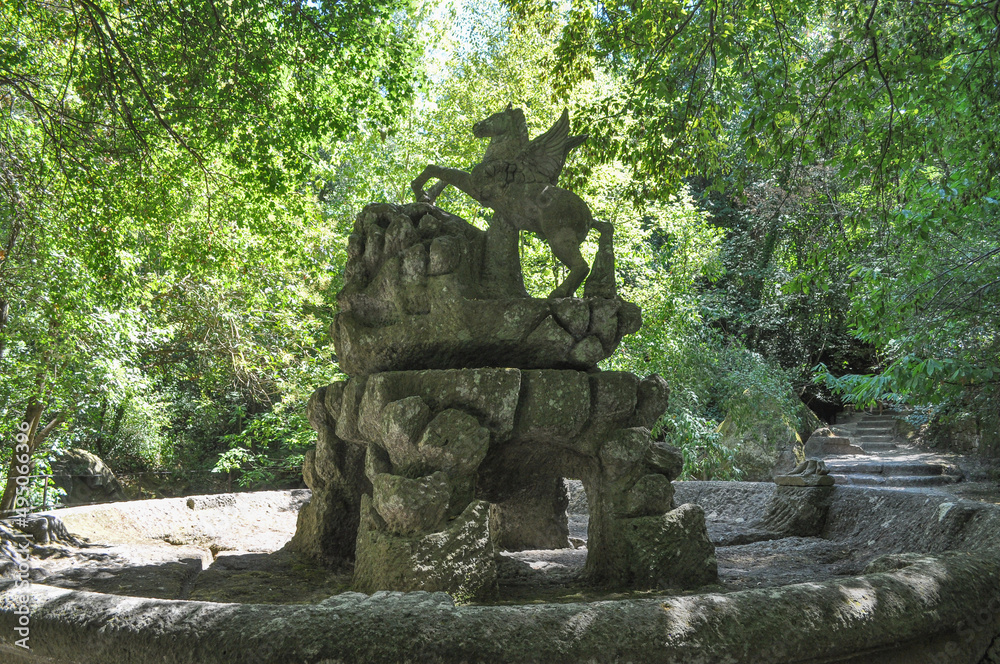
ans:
(875, 432)
(888, 460)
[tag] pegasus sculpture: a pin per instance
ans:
(517, 179)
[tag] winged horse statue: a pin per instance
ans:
(517, 179)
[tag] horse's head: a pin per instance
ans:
(508, 121)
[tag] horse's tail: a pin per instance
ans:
(607, 232)
(601, 281)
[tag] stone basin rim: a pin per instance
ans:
(76, 626)
(909, 608)
(744, 626)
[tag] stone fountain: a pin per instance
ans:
(468, 401)
(465, 410)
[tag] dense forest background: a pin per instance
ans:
(805, 198)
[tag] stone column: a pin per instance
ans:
(501, 276)
(422, 529)
(328, 524)
(636, 538)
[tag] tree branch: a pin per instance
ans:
(888, 88)
(136, 77)
(47, 429)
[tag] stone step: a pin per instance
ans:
(904, 481)
(874, 439)
(878, 447)
(873, 427)
(886, 468)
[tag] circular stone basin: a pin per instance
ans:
(895, 576)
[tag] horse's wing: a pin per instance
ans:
(543, 157)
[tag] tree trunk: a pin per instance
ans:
(31, 416)
(4, 317)
(4, 302)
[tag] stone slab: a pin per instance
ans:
(524, 333)
(803, 480)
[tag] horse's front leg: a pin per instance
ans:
(418, 184)
(456, 178)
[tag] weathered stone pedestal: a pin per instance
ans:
(801, 503)
(464, 412)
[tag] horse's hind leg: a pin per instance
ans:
(566, 247)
